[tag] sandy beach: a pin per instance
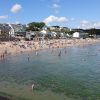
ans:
(10, 48)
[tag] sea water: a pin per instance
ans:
(74, 74)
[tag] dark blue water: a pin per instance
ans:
(75, 73)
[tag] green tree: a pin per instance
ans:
(92, 31)
(35, 26)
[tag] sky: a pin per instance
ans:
(69, 13)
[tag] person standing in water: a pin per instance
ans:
(3, 55)
(28, 57)
(36, 53)
(65, 51)
(33, 86)
(59, 54)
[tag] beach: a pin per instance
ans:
(47, 76)
(14, 47)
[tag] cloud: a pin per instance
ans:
(16, 8)
(72, 19)
(85, 24)
(55, 8)
(52, 19)
(96, 25)
(4, 17)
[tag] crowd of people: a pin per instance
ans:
(13, 47)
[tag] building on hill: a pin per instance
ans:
(12, 29)
(80, 35)
(76, 35)
(17, 29)
(4, 30)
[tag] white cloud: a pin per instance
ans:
(4, 17)
(55, 6)
(72, 19)
(62, 19)
(96, 25)
(85, 24)
(16, 8)
(52, 19)
(89, 24)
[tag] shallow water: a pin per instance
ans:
(76, 73)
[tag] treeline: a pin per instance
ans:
(93, 31)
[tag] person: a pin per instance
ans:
(6, 52)
(36, 53)
(33, 86)
(28, 57)
(59, 53)
(52, 51)
(65, 51)
(3, 55)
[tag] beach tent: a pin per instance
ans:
(76, 35)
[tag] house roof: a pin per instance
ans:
(18, 27)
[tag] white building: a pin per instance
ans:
(4, 29)
(16, 29)
(11, 29)
(76, 35)
(80, 35)
(43, 32)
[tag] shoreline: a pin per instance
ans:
(11, 48)
(65, 69)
